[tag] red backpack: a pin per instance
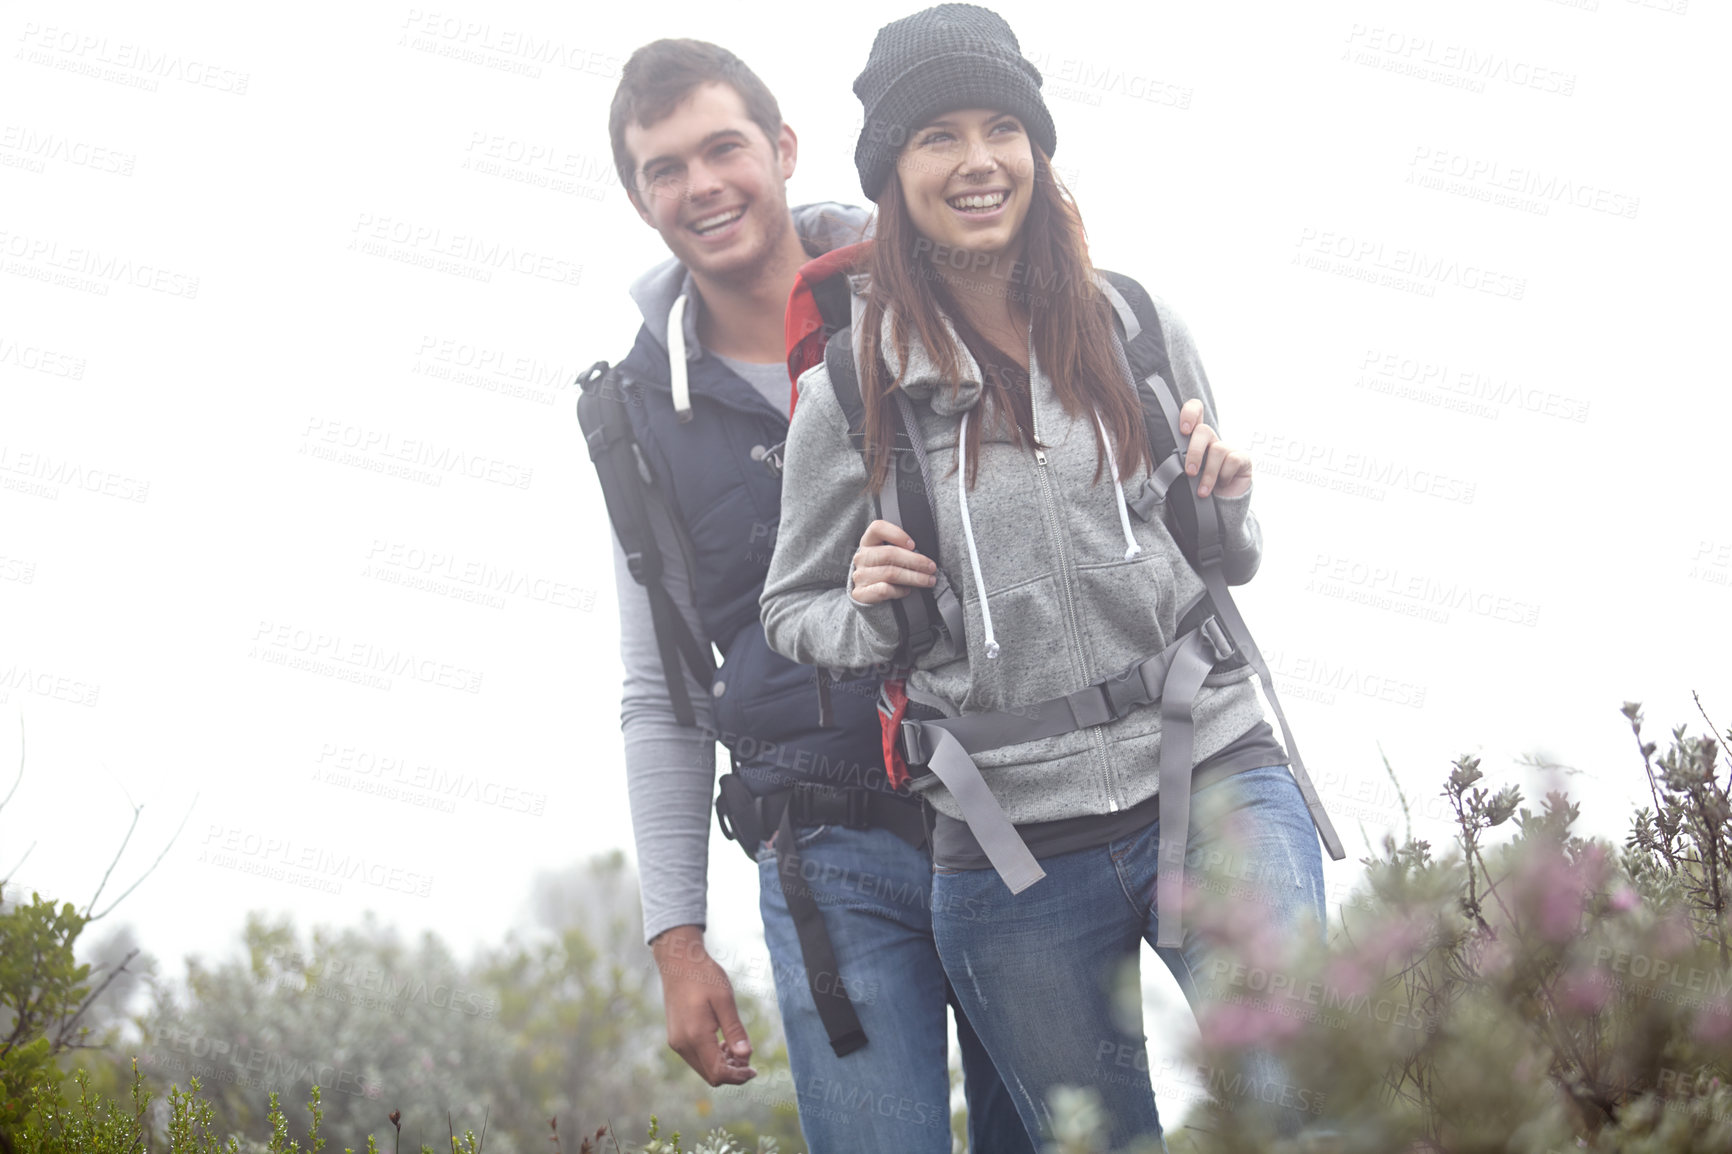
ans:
(820, 306)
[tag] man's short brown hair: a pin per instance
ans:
(664, 72)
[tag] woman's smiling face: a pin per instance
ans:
(967, 179)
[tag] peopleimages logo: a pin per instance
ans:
(468, 255)
(325, 976)
(384, 446)
(90, 269)
(35, 149)
(1474, 392)
(1456, 65)
(1370, 259)
(1413, 594)
(236, 1062)
(276, 644)
(135, 65)
(284, 860)
(1518, 186)
(37, 359)
(1352, 471)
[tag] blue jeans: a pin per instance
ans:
(893, 1094)
(1045, 975)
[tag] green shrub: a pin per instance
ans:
(1546, 993)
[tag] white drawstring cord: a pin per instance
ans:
(677, 359)
(1131, 546)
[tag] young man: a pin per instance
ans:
(844, 875)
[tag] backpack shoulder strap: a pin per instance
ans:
(1146, 344)
(905, 500)
(1197, 525)
(1145, 362)
(625, 481)
(844, 376)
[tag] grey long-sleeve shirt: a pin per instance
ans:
(671, 768)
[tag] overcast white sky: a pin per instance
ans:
(1457, 272)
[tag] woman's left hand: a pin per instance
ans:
(1220, 469)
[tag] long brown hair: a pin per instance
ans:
(1071, 318)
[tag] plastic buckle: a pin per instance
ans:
(915, 751)
(591, 375)
(858, 815)
(1092, 706)
(802, 800)
(1210, 554)
(1217, 638)
(1125, 691)
(597, 442)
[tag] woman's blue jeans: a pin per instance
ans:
(1047, 977)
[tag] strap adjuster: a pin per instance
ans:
(915, 750)
(1217, 638)
(1127, 690)
(1091, 705)
(811, 803)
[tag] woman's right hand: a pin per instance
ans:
(886, 566)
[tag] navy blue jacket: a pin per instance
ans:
(765, 707)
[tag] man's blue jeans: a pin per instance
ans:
(1045, 975)
(875, 892)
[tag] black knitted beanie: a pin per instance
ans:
(937, 61)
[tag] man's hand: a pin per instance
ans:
(699, 1001)
(1226, 471)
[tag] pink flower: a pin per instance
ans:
(1585, 992)
(1495, 957)
(1714, 1022)
(1673, 935)
(1625, 899)
(1345, 976)
(1235, 1026)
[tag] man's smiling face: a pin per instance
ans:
(711, 183)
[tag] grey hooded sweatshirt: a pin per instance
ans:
(1076, 585)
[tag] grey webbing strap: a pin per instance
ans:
(1209, 554)
(913, 607)
(949, 605)
(911, 423)
(823, 974)
(890, 503)
(998, 839)
(1170, 408)
(1178, 732)
(1094, 705)
(948, 742)
(949, 609)
(1216, 583)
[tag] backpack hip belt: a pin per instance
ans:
(750, 819)
(1171, 678)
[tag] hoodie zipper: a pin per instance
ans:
(1079, 664)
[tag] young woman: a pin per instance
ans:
(987, 329)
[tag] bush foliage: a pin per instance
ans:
(1525, 990)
